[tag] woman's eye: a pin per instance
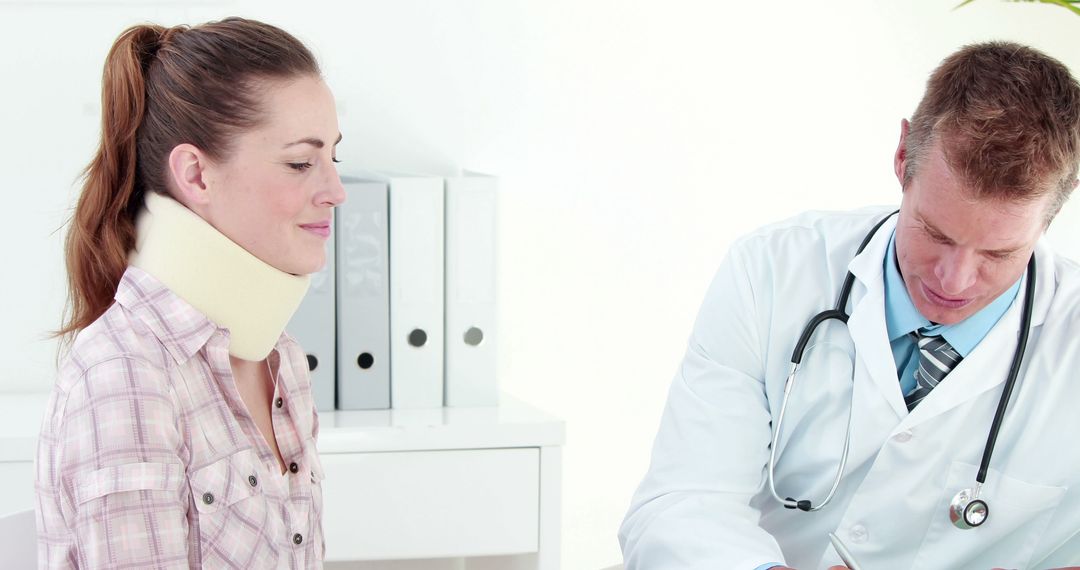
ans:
(335, 159)
(299, 166)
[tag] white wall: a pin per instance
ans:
(635, 140)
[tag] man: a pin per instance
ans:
(936, 306)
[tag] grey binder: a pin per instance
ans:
(363, 303)
(313, 327)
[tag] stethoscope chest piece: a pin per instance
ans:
(966, 511)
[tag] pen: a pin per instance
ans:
(842, 550)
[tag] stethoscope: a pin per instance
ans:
(966, 510)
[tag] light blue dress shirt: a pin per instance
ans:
(902, 318)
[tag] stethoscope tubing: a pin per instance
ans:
(803, 505)
(839, 312)
(1014, 372)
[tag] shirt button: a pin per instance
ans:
(903, 437)
(858, 534)
(208, 498)
(252, 480)
(297, 539)
(294, 468)
(279, 402)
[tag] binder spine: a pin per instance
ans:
(363, 300)
(313, 327)
(416, 291)
(471, 304)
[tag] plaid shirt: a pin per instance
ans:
(148, 457)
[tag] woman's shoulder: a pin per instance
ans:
(114, 346)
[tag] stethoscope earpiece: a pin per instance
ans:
(966, 511)
(803, 505)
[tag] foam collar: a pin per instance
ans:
(222, 280)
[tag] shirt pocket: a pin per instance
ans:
(1018, 512)
(232, 511)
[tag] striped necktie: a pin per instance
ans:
(936, 358)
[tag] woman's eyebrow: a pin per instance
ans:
(313, 141)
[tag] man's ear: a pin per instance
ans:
(187, 169)
(901, 157)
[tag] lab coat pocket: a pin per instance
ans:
(1018, 512)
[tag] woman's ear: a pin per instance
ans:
(187, 170)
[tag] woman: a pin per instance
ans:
(181, 431)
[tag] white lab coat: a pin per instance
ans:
(705, 503)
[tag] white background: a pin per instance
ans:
(634, 141)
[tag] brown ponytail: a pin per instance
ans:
(162, 87)
(102, 227)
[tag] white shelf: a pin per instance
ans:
(511, 424)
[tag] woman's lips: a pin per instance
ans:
(941, 301)
(321, 230)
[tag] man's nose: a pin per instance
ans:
(956, 272)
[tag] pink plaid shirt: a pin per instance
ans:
(148, 457)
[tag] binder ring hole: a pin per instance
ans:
(312, 362)
(474, 336)
(418, 338)
(366, 360)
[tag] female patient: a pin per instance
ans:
(181, 431)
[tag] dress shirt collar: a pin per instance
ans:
(901, 316)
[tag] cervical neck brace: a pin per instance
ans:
(232, 287)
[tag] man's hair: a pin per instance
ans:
(1008, 119)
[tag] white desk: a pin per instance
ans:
(452, 484)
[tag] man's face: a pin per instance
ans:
(958, 253)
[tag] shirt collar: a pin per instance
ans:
(176, 324)
(901, 316)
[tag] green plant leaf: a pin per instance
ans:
(1064, 4)
(1067, 4)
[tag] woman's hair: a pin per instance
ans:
(1008, 118)
(163, 87)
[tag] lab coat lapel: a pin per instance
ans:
(987, 366)
(867, 327)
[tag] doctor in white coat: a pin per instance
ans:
(986, 162)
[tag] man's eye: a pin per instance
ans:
(299, 166)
